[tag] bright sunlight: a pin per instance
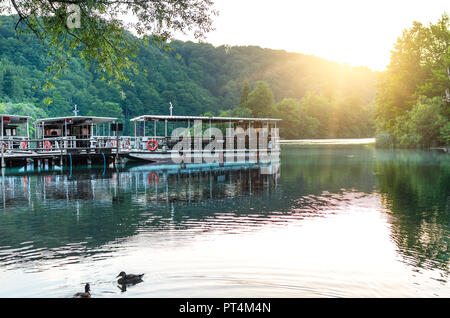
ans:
(349, 31)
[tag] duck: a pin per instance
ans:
(129, 278)
(86, 294)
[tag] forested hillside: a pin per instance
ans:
(411, 108)
(316, 97)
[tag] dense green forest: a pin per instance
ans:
(315, 97)
(411, 108)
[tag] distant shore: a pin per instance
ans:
(350, 141)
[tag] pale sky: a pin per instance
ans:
(356, 32)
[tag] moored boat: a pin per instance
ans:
(201, 139)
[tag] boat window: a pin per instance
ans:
(10, 132)
(76, 131)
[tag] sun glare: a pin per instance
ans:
(349, 31)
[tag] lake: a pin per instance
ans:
(326, 222)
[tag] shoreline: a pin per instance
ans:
(342, 141)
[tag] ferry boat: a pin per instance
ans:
(81, 133)
(14, 132)
(198, 139)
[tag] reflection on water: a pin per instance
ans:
(327, 222)
(415, 188)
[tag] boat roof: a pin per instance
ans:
(186, 118)
(77, 120)
(14, 119)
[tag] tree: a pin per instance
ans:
(9, 84)
(107, 109)
(318, 107)
(95, 30)
(425, 121)
(418, 67)
(244, 94)
(350, 119)
(295, 122)
(260, 100)
(240, 112)
(23, 109)
(445, 134)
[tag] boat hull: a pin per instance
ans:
(224, 156)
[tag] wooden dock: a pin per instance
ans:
(62, 152)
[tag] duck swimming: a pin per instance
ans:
(126, 279)
(86, 294)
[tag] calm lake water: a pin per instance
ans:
(331, 222)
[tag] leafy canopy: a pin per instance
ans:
(418, 70)
(101, 38)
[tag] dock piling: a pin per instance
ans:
(3, 160)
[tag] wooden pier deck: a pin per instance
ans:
(61, 153)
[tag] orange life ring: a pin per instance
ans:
(113, 143)
(4, 145)
(47, 145)
(153, 177)
(23, 145)
(155, 145)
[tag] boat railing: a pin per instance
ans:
(62, 144)
(142, 143)
(108, 143)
